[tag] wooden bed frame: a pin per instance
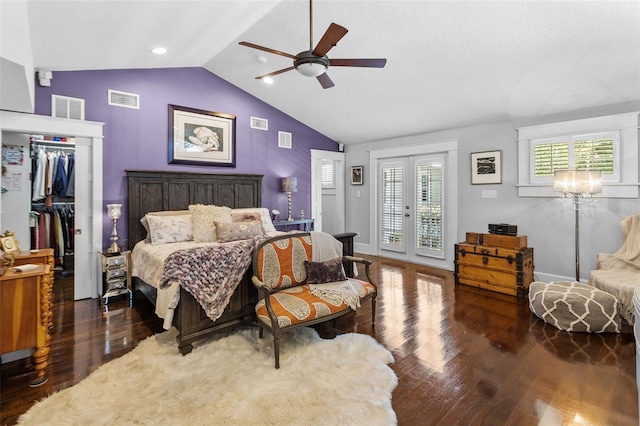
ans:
(156, 191)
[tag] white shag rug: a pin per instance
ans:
(232, 381)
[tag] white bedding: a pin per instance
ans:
(147, 263)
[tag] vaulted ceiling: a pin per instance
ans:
(449, 63)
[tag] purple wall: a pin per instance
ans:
(137, 139)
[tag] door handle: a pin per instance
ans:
(406, 215)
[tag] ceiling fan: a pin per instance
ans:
(315, 62)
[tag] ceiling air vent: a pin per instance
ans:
(259, 123)
(124, 99)
(284, 140)
(66, 107)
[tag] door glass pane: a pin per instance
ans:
(392, 206)
(429, 206)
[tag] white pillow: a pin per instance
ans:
(170, 229)
(267, 225)
(145, 223)
(204, 216)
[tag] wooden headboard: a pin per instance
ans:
(150, 191)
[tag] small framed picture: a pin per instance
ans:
(356, 175)
(486, 167)
(9, 243)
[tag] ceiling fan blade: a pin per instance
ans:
(370, 63)
(325, 81)
(330, 38)
(266, 49)
(271, 74)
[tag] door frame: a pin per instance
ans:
(317, 156)
(450, 149)
(91, 133)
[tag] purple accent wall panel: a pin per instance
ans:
(137, 139)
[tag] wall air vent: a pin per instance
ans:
(285, 140)
(124, 99)
(259, 123)
(66, 107)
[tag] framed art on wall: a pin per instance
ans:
(200, 137)
(357, 175)
(486, 167)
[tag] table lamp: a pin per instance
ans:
(289, 185)
(114, 211)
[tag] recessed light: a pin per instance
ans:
(159, 50)
(268, 80)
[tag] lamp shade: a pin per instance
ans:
(290, 184)
(577, 181)
(114, 211)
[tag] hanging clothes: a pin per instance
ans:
(54, 174)
(53, 228)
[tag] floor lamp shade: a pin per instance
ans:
(289, 185)
(577, 184)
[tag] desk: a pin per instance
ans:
(25, 310)
(307, 224)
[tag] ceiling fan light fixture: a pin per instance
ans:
(309, 65)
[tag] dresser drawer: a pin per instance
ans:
(114, 262)
(116, 273)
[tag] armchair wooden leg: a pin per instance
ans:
(373, 310)
(276, 350)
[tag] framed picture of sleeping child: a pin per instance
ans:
(202, 138)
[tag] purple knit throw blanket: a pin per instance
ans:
(210, 274)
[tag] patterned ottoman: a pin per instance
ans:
(573, 306)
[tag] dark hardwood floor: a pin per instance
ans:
(463, 356)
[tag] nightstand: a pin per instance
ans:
(116, 279)
(307, 224)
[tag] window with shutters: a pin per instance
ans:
(328, 172)
(607, 143)
(584, 152)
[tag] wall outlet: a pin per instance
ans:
(358, 193)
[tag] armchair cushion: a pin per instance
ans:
(297, 305)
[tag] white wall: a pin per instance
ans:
(13, 200)
(547, 222)
(17, 88)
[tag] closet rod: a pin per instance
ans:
(59, 146)
(61, 203)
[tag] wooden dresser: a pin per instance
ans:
(25, 314)
(501, 263)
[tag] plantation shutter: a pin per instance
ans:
(328, 174)
(594, 154)
(392, 212)
(549, 157)
(429, 191)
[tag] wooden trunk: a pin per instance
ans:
(504, 270)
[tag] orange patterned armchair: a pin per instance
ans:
(301, 282)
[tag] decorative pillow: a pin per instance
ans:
(237, 230)
(204, 217)
(247, 217)
(145, 223)
(264, 216)
(572, 306)
(325, 272)
(170, 229)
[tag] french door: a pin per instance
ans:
(411, 207)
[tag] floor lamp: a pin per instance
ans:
(577, 184)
